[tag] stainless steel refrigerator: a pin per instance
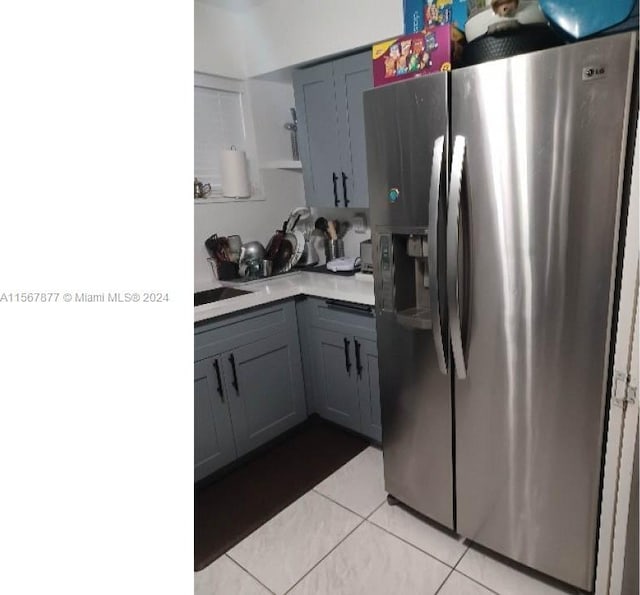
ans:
(496, 197)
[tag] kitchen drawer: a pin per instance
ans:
(229, 332)
(342, 317)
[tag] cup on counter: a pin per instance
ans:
(334, 249)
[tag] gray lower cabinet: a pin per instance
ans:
(368, 387)
(267, 395)
(336, 379)
(214, 444)
(248, 384)
(339, 347)
(331, 137)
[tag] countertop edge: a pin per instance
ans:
(305, 284)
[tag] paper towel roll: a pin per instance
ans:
(235, 177)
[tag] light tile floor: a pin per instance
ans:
(342, 538)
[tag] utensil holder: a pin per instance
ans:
(334, 249)
(224, 270)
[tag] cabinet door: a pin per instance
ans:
(352, 76)
(266, 390)
(318, 134)
(214, 445)
(368, 388)
(335, 377)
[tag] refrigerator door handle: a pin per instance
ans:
(434, 290)
(453, 245)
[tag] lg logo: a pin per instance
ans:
(592, 72)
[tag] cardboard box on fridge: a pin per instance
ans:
(431, 50)
(459, 13)
(413, 16)
(436, 13)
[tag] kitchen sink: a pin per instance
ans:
(217, 294)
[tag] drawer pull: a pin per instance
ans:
(349, 307)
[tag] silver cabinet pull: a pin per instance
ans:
(434, 207)
(453, 246)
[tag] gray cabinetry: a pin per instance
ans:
(337, 388)
(368, 387)
(318, 134)
(352, 76)
(340, 346)
(331, 130)
(260, 393)
(214, 445)
(267, 395)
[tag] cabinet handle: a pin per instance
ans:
(235, 375)
(344, 189)
(336, 202)
(216, 365)
(349, 307)
(358, 362)
(347, 360)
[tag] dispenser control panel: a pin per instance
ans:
(386, 269)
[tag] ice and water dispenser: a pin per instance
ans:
(404, 278)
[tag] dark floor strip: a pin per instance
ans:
(229, 509)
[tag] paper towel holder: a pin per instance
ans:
(235, 175)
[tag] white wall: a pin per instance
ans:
(251, 220)
(282, 33)
(218, 41)
(351, 239)
(269, 104)
(242, 39)
(247, 39)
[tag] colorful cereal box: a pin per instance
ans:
(432, 50)
(419, 14)
(413, 16)
(459, 13)
(437, 12)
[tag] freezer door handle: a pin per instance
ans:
(434, 290)
(453, 246)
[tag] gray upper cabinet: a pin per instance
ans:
(318, 133)
(331, 130)
(267, 395)
(352, 76)
(214, 444)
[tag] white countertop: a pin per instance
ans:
(349, 289)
